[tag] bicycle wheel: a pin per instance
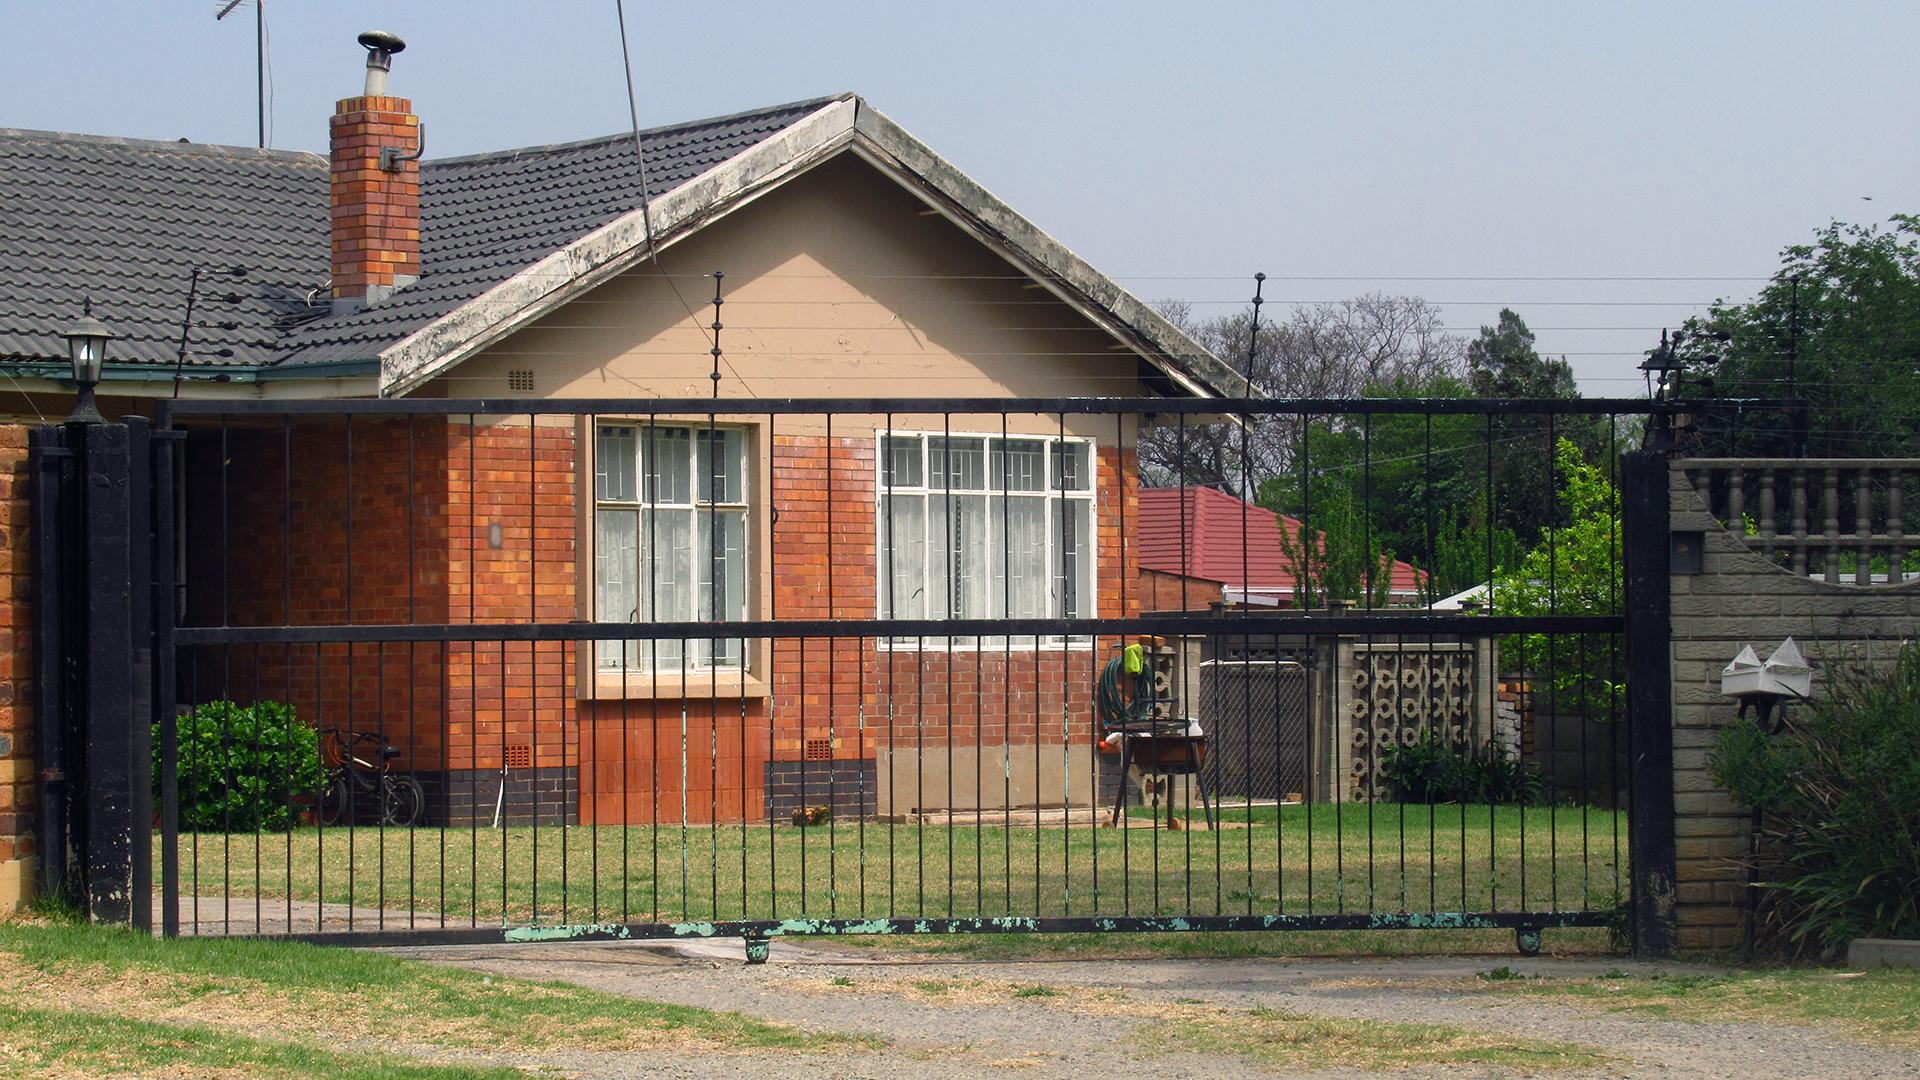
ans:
(335, 800)
(402, 801)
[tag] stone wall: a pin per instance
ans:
(1742, 598)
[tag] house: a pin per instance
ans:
(857, 263)
(1200, 546)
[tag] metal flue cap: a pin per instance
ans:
(380, 41)
(380, 46)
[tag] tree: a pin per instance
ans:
(1837, 325)
(1348, 563)
(1573, 570)
(1503, 363)
(1318, 351)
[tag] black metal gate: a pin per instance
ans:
(478, 670)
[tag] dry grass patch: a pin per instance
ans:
(966, 991)
(1883, 1006)
(1275, 1038)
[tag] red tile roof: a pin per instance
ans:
(1212, 541)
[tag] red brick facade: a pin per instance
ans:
(459, 523)
(16, 675)
(376, 212)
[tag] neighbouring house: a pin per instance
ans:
(1200, 546)
(857, 264)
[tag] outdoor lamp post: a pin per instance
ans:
(87, 347)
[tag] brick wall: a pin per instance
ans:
(1742, 599)
(17, 863)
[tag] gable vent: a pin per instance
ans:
(520, 380)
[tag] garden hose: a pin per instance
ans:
(1125, 697)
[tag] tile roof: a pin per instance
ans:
(125, 221)
(1208, 546)
(487, 216)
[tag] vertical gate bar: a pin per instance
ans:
(1007, 690)
(53, 535)
(165, 675)
(650, 496)
(1553, 688)
(347, 748)
(446, 771)
(320, 815)
(1650, 820)
(952, 571)
(1432, 590)
(1366, 598)
(286, 653)
(141, 604)
(1613, 640)
(108, 673)
(413, 677)
(533, 674)
(226, 688)
(1066, 697)
(1303, 578)
(833, 695)
(890, 585)
(380, 789)
(1247, 420)
(259, 893)
(773, 664)
(473, 677)
(1523, 701)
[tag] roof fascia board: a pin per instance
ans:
(1070, 278)
(612, 249)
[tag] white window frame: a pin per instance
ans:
(1052, 492)
(701, 511)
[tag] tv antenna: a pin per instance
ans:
(259, 55)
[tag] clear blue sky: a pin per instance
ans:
(1179, 147)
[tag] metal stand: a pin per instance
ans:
(1163, 755)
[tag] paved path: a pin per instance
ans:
(945, 1018)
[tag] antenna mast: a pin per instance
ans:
(259, 57)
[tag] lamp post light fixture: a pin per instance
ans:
(87, 341)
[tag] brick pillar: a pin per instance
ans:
(17, 812)
(376, 211)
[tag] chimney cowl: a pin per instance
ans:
(380, 46)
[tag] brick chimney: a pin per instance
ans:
(376, 144)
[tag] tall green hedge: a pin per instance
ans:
(243, 767)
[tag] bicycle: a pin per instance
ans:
(400, 798)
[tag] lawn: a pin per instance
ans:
(1883, 1005)
(1263, 860)
(77, 1000)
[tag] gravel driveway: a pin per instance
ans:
(1060, 1018)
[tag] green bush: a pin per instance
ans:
(243, 767)
(1839, 788)
(1434, 770)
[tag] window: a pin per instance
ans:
(978, 526)
(670, 539)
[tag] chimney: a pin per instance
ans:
(376, 145)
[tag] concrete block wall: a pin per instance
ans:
(1741, 598)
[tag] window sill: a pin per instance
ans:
(696, 686)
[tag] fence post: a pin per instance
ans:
(52, 457)
(106, 577)
(1649, 602)
(141, 601)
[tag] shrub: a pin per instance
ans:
(1839, 787)
(1434, 770)
(243, 767)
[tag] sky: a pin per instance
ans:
(1605, 170)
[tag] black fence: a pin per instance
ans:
(446, 670)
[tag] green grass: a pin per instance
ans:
(278, 1008)
(1271, 1037)
(1881, 1005)
(52, 1041)
(1296, 860)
